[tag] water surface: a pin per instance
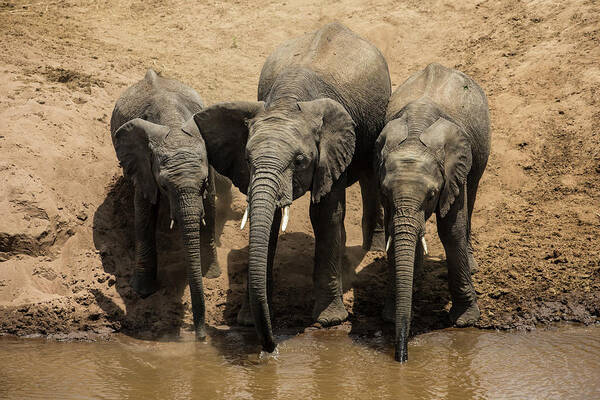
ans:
(451, 364)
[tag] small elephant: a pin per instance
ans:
(322, 100)
(429, 158)
(160, 148)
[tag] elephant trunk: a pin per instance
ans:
(407, 230)
(262, 191)
(190, 212)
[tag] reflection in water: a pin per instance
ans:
(450, 364)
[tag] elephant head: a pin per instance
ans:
(172, 161)
(421, 171)
(275, 155)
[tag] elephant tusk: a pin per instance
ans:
(203, 222)
(172, 223)
(286, 218)
(424, 243)
(387, 245)
(244, 219)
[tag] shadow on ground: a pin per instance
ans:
(373, 283)
(291, 305)
(113, 233)
(162, 314)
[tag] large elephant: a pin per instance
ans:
(322, 100)
(429, 158)
(161, 150)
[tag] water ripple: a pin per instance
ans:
(449, 364)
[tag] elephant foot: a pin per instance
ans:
(330, 313)
(464, 315)
(144, 285)
(201, 334)
(212, 271)
(389, 310)
(244, 316)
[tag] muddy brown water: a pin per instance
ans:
(561, 363)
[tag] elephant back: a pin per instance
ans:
(455, 93)
(351, 66)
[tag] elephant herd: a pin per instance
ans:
(325, 118)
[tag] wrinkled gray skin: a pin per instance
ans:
(322, 105)
(430, 157)
(161, 150)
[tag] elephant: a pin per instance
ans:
(161, 150)
(429, 158)
(321, 105)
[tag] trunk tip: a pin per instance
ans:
(266, 355)
(401, 353)
(269, 347)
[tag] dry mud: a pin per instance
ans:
(66, 246)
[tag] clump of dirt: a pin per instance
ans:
(6, 5)
(66, 232)
(32, 223)
(73, 79)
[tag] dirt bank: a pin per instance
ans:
(66, 230)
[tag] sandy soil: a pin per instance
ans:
(66, 246)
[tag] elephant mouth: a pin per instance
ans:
(187, 198)
(422, 240)
(285, 210)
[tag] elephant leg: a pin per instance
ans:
(208, 251)
(144, 280)
(244, 316)
(327, 218)
(453, 232)
(372, 219)
(223, 188)
(223, 206)
(472, 185)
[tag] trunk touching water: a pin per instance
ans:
(406, 233)
(190, 210)
(263, 189)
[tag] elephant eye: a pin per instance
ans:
(300, 161)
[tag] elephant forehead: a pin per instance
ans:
(411, 185)
(407, 159)
(277, 138)
(183, 157)
(189, 175)
(282, 129)
(405, 165)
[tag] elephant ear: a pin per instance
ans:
(133, 143)
(225, 132)
(394, 133)
(451, 146)
(336, 142)
(190, 128)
